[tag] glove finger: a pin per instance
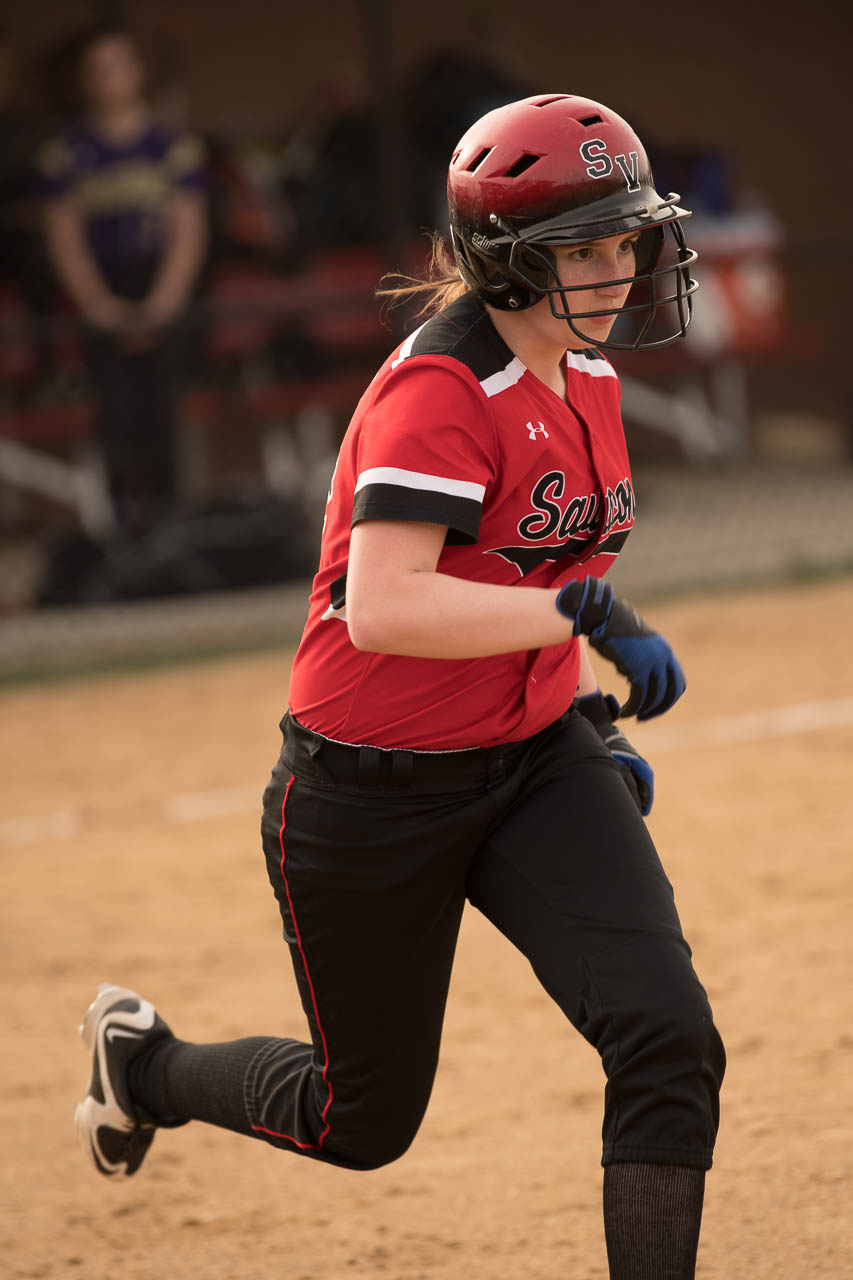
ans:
(645, 796)
(635, 701)
(612, 704)
(632, 784)
(655, 707)
(642, 695)
(642, 786)
(675, 686)
(645, 778)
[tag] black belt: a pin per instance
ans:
(323, 760)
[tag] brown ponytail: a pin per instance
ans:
(441, 286)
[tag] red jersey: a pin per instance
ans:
(534, 491)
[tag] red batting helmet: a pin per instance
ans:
(556, 169)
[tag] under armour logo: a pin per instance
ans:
(539, 429)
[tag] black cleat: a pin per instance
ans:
(118, 1023)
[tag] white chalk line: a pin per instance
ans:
(45, 826)
(747, 726)
(195, 805)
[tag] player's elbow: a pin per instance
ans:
(375, 626)
(368, 629)
(362, 634)
(384, 613)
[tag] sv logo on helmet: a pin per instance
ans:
(596, 155)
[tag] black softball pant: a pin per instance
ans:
(372, 854)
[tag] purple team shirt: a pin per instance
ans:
(121, 190)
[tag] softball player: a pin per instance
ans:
(446, 738)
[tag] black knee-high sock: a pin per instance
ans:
(652, 1214)
(174, 1082)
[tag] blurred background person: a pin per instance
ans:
(25, 280)
(332, 160)
(126, 232)
(448, 89)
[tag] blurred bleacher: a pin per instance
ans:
(728, 491)
(697, 530)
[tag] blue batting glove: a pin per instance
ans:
(618, 633)
(638, 775)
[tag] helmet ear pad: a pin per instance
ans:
(648, 250)
(491, 280)
(534, 266)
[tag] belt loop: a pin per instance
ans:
(313, 746)
(402, 768)
(495, 765)
(368, 765)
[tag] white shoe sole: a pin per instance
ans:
(97, 1031)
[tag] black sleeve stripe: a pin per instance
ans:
(424, 506)
(338, 592)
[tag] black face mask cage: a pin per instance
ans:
(533, 266)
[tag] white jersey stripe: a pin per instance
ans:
(597, 368)
(332, 612)
(492, 386)
(505, 378)
(420, 480)
(406, 348)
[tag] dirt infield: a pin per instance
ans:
(130, 852)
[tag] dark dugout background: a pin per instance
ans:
(762, 84)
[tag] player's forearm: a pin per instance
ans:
(433, 615)
(71, 258)
(187, 241)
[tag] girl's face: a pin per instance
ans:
(112, 73)
(611, 258)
